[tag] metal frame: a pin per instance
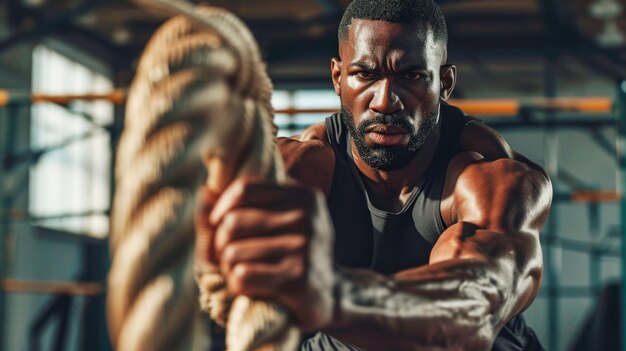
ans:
(621, 117)
(95, 251)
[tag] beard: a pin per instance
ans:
(389, 158)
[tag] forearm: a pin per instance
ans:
(452, 304)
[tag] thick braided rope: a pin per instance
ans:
(200, 102)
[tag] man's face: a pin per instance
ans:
(388, 80)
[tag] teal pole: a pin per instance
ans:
(9, 124)
(621, 123)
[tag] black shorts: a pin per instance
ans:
(515, 336)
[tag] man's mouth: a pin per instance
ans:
(388, 135)
(388, 129)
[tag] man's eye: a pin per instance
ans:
(365, 75)
(411, 75)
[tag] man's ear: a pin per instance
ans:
(335, 72)
(448, 80)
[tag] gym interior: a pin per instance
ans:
(549, 75)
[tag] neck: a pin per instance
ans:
(389, 190)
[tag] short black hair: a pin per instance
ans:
(396, 11)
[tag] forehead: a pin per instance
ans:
(380, 40)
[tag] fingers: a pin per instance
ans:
(249, 207)
(253, 192)
(271, 242)
(205, 199)
(264, 280)
(268, 250)
(258, 232)
(245, 223)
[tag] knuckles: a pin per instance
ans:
(294, 194)
(243, 188)
(229, 256)
(240, 279)
(229, 225)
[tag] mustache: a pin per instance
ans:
(390, 119)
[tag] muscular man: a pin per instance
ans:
(435, 219)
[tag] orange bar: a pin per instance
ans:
(12, 213)
(506, 107)
(595, 196)
(488, 107)
(584, 105)
(4, 97)
(477, 107)
(56, 288)
(116, 96)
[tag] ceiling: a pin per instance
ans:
(512, 43)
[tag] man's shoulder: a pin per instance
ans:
(309, 157)
(480, 138)
(472, 164)
(486, 159)
(315, 132)
(473, 178)
(311, 142)
(484, 153)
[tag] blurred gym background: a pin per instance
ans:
(550, 75)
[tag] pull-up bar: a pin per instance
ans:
(116, 97)
(56, 288)
(478, 107)
(512, 107)
(597, 196)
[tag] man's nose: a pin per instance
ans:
(385, 100)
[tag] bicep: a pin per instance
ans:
(500, 208)
(504, 196)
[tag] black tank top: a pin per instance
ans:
(398, 240)
(367, 237)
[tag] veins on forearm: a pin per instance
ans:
(438, 305)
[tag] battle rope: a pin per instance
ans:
(200, 96)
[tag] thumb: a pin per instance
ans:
(205, 200)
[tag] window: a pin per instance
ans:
(70, 181)
(302, 99)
